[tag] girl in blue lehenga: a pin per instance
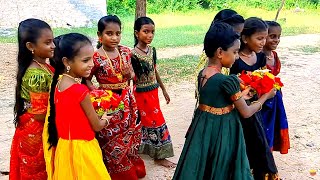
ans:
(275, 120)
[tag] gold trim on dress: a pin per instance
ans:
(216, 111)
(236, 96)
(114, 86)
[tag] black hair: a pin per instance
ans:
(228, 16)
(29, 30)
(220, 35)
(56, 42)
(138, 24)
(252, 25)
(68, 46)
(102, 23)
(273, 24)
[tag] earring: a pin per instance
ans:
(68, 69)
(32, 51)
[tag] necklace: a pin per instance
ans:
(44, 67)
(77, 80)
(147, 51)
(119, 75)
(270, 57)
(246, 55)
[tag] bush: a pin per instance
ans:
(127, 7)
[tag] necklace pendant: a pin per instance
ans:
(119, 76)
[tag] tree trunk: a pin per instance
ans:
(141, 6)
(278, 12)
(107, 7)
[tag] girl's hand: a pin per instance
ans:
(271, 93)
(107, 118)
(247, 93)
(92, 87)
(127, 71)
(166, 96)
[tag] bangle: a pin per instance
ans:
(258, 103)
(107, 121)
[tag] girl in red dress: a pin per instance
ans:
(156, 140)
(112, 69)
(34, 77)
(72, 119)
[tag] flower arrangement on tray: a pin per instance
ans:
(262, 81)
(106, 101)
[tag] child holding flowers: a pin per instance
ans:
(214, 147)
(253, 38)
(72, 121)
(273, 112)
(112, 69)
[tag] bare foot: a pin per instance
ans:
(166, 163)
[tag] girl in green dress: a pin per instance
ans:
(214, 147)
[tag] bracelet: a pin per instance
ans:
(107, 121)
(258, 103)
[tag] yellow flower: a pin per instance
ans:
(256, 73)
(105, 98)
(270, 75)
(276, 85)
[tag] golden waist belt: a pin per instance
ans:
(114, 86)
(216, 111)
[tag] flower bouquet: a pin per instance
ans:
(262, 81)
(106, 101)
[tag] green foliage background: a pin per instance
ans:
(127, 7)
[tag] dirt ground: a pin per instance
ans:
(300, 58)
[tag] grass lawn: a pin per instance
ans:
(183, 29)
(177, 69)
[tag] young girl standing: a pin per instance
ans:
(230, 17)
(273, 112)
(120, 140)
(72, 119)
(214, 147)
(34, 77)
(253, 38)
(156, 140)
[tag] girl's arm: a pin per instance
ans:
(90, 85)
(247, 111)
(164, 91)
(96, 123)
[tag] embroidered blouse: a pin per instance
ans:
(35, 87)
(144, 68)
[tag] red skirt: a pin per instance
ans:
(120, 141)
(27, 159)
(156, 139)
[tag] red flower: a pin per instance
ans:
(277, 80)
(245, 78)
(105, 105)
(95, 104)
(266, 84)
